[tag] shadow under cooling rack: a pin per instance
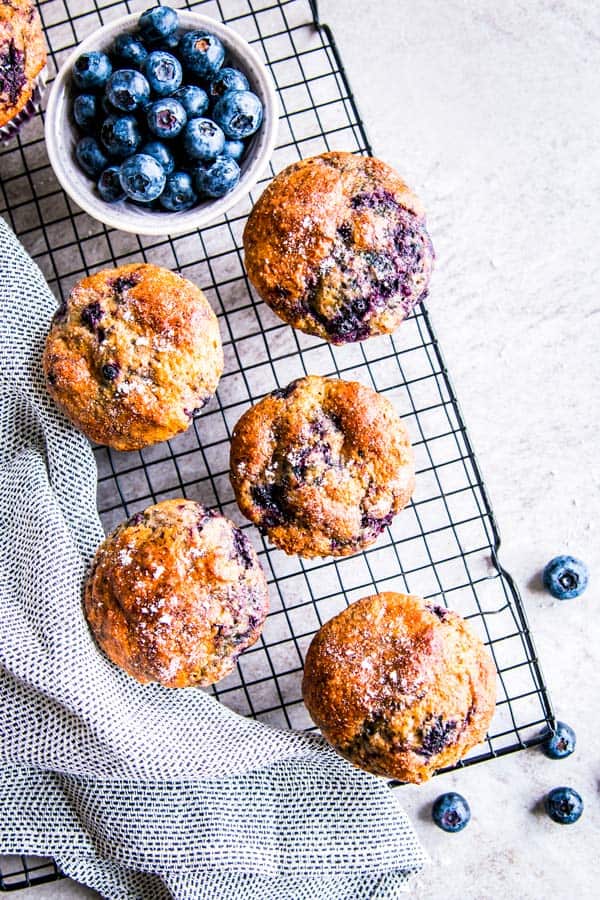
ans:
(443, 546)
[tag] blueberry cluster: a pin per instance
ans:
(164, 122)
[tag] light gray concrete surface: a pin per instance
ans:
(490, 111)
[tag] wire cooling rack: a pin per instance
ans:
(443, 546)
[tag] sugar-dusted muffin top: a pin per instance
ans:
(22, 55)
(337, 246)
(133, 354)
(322, 466)
(175, 594)
(399, 686)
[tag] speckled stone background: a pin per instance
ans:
(490, 111)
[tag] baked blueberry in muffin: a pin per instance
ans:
(322, 466)
(22, 60)
(133, 354)
(175, 594)
(337, 246)
(400, 687)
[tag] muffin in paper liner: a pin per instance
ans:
(31, 108)
(22, 64)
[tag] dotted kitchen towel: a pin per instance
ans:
(140, 791)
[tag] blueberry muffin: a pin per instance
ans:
(399, 687)
(175, 594)
(337, 247)
(322, 466)
(133, 354)
(22, 61)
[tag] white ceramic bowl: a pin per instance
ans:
(62, 135)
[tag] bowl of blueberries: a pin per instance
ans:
(159, 123)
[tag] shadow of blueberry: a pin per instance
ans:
(536, 584)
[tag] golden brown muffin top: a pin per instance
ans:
(336, 245)
(175, 594)
(22, 55)
(322, 466)
(133, 354)
(399, 686)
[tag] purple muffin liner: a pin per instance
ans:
(12, 128)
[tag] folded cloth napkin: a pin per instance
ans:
(140, 791)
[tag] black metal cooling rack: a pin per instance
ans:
(444, 545)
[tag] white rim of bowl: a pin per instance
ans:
(164, 220)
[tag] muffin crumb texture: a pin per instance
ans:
(337, 247)
(133, 354)
(322, 466)
(175, 594)
(399, 687)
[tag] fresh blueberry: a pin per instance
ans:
(129, 50)
(203, 139)
(127, 89)
(120, 135)
(109, 185)
(451, 812)
(163, 72)
(219, 178)
(90, 156)
(564, 805)
(170, 43)
(108, 108)
(92, 70)
(194, 100)
(234, 149)
(227, 79)
(566, 577)
(158, 23)
(238, 113)
(161, 154)
(85, 111)
(142, 177)
(201, 53)
(179, 193)
(166, 118)
(560, 742)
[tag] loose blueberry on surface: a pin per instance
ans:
(227, 79)
(238, 113)
(120, 135)
(109, 185)
(128, 90)
(166, 118)
(234, 149)
(158, 23)
(201, 53)
(142, 178)
(92, 70)
(561, 742)
(203, 139)
(564, 805)
(566, 577)
(85, 111)
(161, 154)
(90, 156)
(194, 100)
(129, 50)
(163, 72)
(178, 193)
(218, 178)
(451, 812)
